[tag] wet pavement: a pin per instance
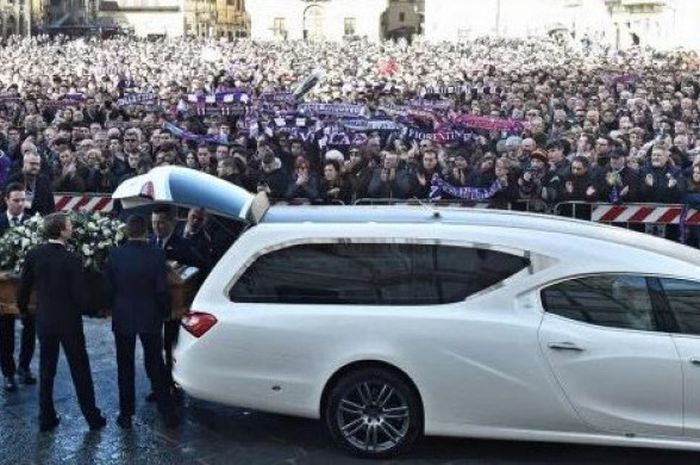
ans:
(213, 434)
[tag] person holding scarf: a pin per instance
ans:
(427, 170)
(621, 183)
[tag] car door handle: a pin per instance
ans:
(565, 346)
(695, 361)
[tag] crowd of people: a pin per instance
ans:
(546, 122)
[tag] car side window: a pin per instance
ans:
(683, 298)
(373, 274)
(618, 301)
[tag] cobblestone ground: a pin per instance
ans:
(214, 434)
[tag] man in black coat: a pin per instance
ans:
(57, 276)
(138, 290)
(195, 232)
(661, 182)
(37, 186)
(15, 216)
(580, 185)
(183, 251)
(620, 184)
(177, 247)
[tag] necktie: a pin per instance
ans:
(15, 221)
(159, 242)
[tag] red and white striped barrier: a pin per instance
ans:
(93, 203)
(600, 213)
(643, 214)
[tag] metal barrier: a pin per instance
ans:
(519, 205)
(302, 201)
(648, 217)
(579, 210)
(370, 202)
(632, 213)
(79, 202)
(103, 203)
(670, 221)
(534, 206)
(644, 213)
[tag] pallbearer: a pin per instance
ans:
(57, 276)
(138, 290)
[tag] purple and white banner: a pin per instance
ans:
(372, 125)
(219, 98)
(439, 187)
(137, 99)
(338, 110)
(488, 122)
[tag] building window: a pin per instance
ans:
(350, 28)
(402, 17)
(279, 28)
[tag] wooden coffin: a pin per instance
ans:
(183, 282)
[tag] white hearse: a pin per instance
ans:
(393, 322)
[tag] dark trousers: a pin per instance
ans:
(7, 343)
(153, 359)
(76, 354)
(171, 329)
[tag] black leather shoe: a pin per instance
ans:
(151, 397)
(26, 376)
(97, 423)
(124, 421)
(48, 425)
(10, 384)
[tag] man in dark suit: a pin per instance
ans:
(178, 246)
(15, 216)
(195, 232)
(37, 186)
(138, 290)
(58, 277)
(181, 250)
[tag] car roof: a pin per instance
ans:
(404, 214)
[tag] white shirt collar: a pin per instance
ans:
(165, 239)
(9, 216)
(56, 241)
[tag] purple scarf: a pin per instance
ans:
(439, 186)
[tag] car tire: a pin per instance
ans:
(374, 413)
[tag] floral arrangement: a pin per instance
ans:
(93, 236)
(18, 240)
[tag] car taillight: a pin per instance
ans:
(198, 323)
